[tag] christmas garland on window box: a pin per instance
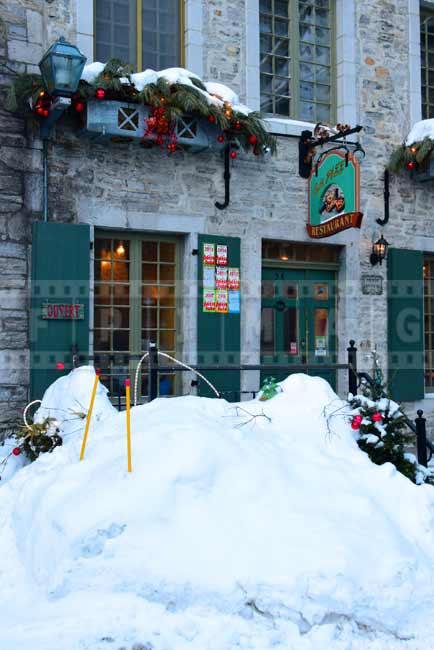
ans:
(168, 99)
(414, 157)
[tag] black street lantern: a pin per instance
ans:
(61, 68)
(379, 251)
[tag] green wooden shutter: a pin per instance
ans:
(60, 275)
(218, 335)
(405, 324)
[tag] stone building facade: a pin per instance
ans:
(130, 189)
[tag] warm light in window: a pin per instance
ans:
(120, 250)
(284, 258)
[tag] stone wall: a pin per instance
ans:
(129, 187)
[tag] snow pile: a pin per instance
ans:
(420, 131)
(216, 93)
(258, 526)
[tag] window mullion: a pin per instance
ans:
(295, 59)
(139, 35)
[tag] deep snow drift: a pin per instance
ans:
(231, 532)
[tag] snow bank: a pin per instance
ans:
(259, 525)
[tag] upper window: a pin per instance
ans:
(144, 33)
(296, 39)
(427, 61)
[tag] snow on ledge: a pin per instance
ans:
(420, 131)
(216, 93)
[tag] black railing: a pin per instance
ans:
(155, 369)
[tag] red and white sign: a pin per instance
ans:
(222, 301)
(221, 277)
(222, 255)
(293, 347)
(209, 254)
(233, 278)
(208, 300)
(60, 311)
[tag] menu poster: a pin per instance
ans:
(208, 277)
(221, 277)
(208, 304)
(221, 301)
(222, 255)
(234, 302)
(208, 256)
(233, 278)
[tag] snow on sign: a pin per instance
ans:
(60, 311)
(208, 256)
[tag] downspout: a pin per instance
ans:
(45, 178)
(386, 193)
(227, 179)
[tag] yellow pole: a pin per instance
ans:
(128, 411)
(89, 413)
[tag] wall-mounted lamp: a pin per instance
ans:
(359, 153)
(379, 251)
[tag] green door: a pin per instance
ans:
(59, 300)
(298, 321)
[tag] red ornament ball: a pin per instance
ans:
(211, 119)
(220, 138)
(377, 417)
(79, 107)
(411, 165)
(355, 425)
(358, 418)
(16, 451)
(233, 155)
(100, 93)
(253, 139)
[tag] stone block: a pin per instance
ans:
(24, 52)
(34, 27)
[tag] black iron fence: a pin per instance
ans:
(155, 369)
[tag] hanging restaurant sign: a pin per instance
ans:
(334, 195)
(61, 311)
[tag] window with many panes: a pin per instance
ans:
(427, 61)
(296, 58)
(134, 303)
(144, 33)
(428, 274)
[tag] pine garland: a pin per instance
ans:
(413, 157)
(178, 99)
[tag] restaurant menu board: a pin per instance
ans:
(221, 284)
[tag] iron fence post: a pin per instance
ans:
(352, 368)
(422, 457)
(153, 370)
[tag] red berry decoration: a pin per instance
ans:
(377, 417)
(211, 119)
(355, 425)
(253, 139)
(220, 138)
(358, 418)
(100, 93)
(411, 165)
(233, 155)
(16, 451)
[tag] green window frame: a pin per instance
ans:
(143, 33)
(428, 279)
(297, 59)
(136, 299)
(427, 61)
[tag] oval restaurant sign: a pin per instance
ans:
(334, 195)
